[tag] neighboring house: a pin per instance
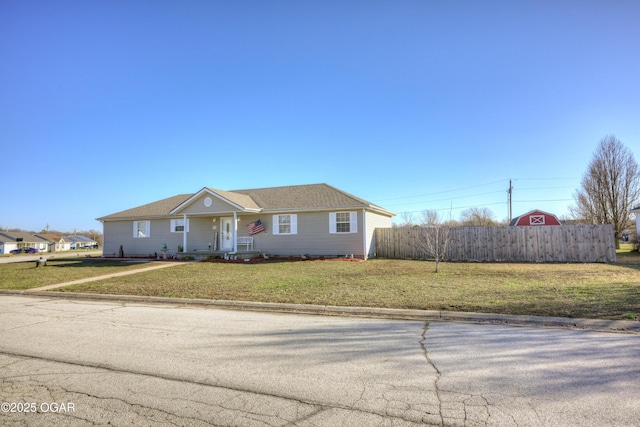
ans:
(6, 244)
(317, 219)
(636, 211)
(535, 217)
(19, 239)
(80, 242)
(56, 243)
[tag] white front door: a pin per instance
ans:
(226, 234)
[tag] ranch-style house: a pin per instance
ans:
(315, 220)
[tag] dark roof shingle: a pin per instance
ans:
(154, 209)
(312, 196)
(298, 197)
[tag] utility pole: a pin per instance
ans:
(510, 192)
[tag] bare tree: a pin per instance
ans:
(434, 237)
(477, 217)
(429, 218)
(610, 187)
(407, 219)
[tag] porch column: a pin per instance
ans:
(235, 232)
(184, 234)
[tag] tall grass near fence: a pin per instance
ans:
(575, 243)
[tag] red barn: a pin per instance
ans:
(535, 217)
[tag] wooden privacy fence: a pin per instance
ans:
(567, 243)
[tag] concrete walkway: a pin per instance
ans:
(105, 276)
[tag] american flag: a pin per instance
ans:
(255, 227)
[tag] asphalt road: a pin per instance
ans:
(82, 363)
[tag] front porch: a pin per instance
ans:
(213, 235)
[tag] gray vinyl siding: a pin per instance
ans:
(313, 236)
(373, 221)
(118, 233)
(201, 233)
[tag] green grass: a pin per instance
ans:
(567, 290)
(607, 291)
(626, 255)
(24, 275)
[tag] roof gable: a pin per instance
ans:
(50, 237)
(235, 200)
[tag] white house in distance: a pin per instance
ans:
(315, 219)
(56, 243)
(10, 240)
(77, 241)
(636, 211)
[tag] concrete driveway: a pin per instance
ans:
(138, 364)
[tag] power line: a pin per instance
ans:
(458, 207)
(445, 200)
(490, 204)
(545, 188)
(510, 200)
(442, 192)
(483, 185)
(536, 201)
(546, 179)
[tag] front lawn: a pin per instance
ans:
(24, 275)
(608, 291)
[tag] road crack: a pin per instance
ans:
(437, 375)
(246, 410)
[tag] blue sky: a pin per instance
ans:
(412, 105)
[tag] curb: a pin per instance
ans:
(621, 326)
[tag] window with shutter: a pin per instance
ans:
(343, 222)
(285, 224)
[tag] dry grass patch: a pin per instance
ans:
(24, 275)
(570, 290)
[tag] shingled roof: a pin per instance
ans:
(243, 200)
(150, 210)
(50, 237)
(305, 197)
(273, 199)
(13, 236)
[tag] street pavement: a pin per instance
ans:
(83, 363)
